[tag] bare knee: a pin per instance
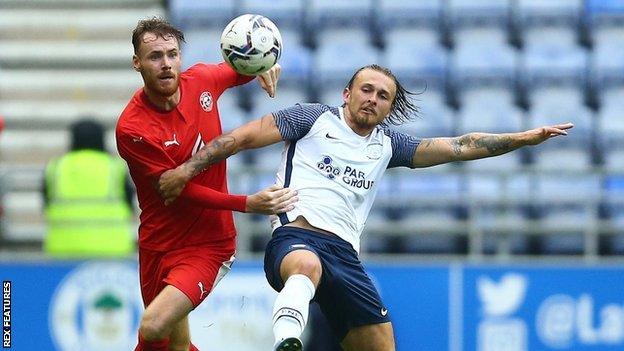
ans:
(302, 262)
(153, 328)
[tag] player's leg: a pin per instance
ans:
(293, 269)
(373, 337)
(300, 271)
(168, 308)
(180, 337)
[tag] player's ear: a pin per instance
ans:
(346, 93)
(135, 63)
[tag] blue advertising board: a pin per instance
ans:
(97, 306)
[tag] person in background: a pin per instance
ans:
(88, 199)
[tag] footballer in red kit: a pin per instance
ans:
(186, 246)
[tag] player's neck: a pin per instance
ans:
(360, 130)
(163, 103)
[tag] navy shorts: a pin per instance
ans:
(345, 294)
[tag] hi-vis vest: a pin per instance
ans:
(87, 214)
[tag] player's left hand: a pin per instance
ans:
(268, 80)
(171, 183)
(539, 135)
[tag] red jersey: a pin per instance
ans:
(153, 141)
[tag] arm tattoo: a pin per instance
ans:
(494, 144)
(216, 150)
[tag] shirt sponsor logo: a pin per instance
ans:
(351, 176)
(205, 101)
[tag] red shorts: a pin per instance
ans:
(194, 270)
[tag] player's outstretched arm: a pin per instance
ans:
(254, 134)
(472, 146)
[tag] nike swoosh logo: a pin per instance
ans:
(330, 137)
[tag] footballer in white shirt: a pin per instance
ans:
(334, 158)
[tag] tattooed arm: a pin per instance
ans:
(472, 146)
(251, 135)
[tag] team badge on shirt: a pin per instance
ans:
(205, 100)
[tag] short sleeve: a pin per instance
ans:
(296, 121)
(221, 75)
(144, 157)
(403, 149)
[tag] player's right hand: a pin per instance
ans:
(272, 200)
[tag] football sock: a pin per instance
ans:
(158, 345)
(290, 311)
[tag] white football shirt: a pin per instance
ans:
(335, 171)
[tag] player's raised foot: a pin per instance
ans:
(289, 344)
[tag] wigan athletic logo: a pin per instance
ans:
(205, 100)
(97, 307)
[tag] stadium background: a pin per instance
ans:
(520, 252)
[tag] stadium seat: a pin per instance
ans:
(330, 13)
(568, 211)
(482, 54)
(202, 45)
(284, 13)
(435, 119)
(613, 187)
(489, 109)
(462, 12)
(530, 12)
(331, 93)
(551, 54)
(392, 13)
(332, 65)
(415, 55)
(296, 59)
(552, 105)
(607, 59)
(604, 12)
(190, 13)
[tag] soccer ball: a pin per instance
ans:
(251, 44)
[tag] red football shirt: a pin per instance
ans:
(153, 141)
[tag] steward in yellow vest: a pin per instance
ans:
(88, 209)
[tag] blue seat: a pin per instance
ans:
(190, 13)
(528, 12)
(603, 12)
(552, 105)
(392, 13)
(483, 54)
(436, 119)
(607, 59)
(551, 54)
(332, 64)
(568, 211)
(415, 55)
(296, 59)
(330, 13)
(489, 110)
(284, 13)
(202, 45)
(461, 12)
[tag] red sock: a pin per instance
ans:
(193, 348)
(158, 345)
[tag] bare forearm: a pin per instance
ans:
(473, 146)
